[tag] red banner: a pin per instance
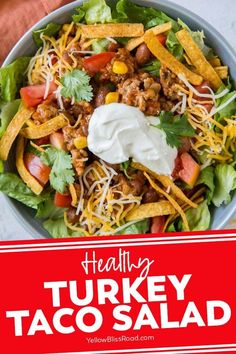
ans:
(172, 294)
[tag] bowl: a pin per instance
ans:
(26, 46)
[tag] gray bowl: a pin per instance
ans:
(26, 46)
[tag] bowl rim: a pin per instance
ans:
(69, 8)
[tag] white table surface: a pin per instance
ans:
(221, 14)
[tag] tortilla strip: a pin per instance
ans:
(31, 182)
(203, 67)
(73, 194)
(171, 200)
(215, 62)
(150, 210)
(167, 182)
(39, 131)
(222, 71)
(113, 30)
(197, 198)
(12, 131)
(135, 42)
(167, 59)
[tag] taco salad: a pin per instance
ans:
(122, 122)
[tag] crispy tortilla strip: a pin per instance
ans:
(167, 182)
(73, 194)
(167, 59)
(171, 200)
(203, 67)
(135, 42)
(39, 131)
(197, 198)
(150, 210)
(215, 62)
(113, 30)
(31, 182)
(222, 71)
(12, 131)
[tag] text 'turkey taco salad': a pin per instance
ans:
(123, 122)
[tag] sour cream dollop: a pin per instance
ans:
(118, 132)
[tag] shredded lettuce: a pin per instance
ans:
(58, 229)
(171, 228)
(199, 219)
(229, 110)
(225, 182)
(126, 11)
(153, 67)
(140, 227)
(12, 78)
(14, 187)
(100, 45)
(47, 209)
(93, 11)
(8, 111)
(1, 166)
(50, 30)
(206, 177)
(174, 46)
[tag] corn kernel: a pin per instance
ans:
(112, 97)
(119, 67)
(80, 142)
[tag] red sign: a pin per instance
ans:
(172, 294)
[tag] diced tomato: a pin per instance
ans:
(202, 89)
(162, 38)
(97, 62)
(42, 141)
(37, 168)
(190, 169)
(157, 224)
(34, 95)
(177, 168)
(62, 200)
(57, 140)
(50, 98)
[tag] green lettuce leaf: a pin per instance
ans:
(225, 182)
(199, 219)
(100, 45)
(171, 228)
(153, 67)
(58, 229)
(126, 11)
(207, 177)
(140, 227)
(12, 78)
(47, 209)
(229, 110)
(50, 30)
(14, 187)
(198, 37)
(174, 46)
(8, 111)
(1, 166)
(93, 11)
